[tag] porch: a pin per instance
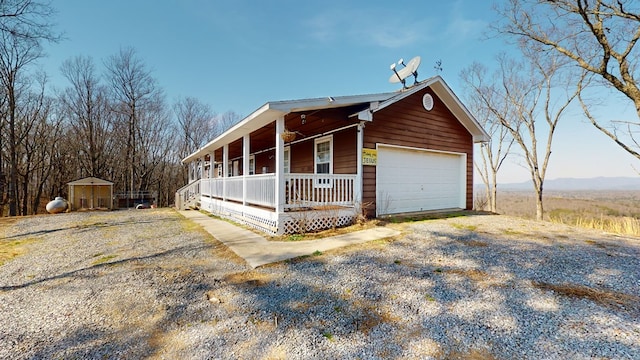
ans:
(282, 170)
(311, 201)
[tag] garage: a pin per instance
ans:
(410, 180)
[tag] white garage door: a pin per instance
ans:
(418, 180)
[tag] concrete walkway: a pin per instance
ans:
(257, 250)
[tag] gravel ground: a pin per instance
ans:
(150, 284)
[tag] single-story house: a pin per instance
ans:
(90, 193)
(305, 165)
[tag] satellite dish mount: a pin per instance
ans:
(411, 68)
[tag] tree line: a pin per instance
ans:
(111, 120)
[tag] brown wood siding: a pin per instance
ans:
(407, 123)
(263, 160)
(344, 151)
(344, 143)
(302, 157)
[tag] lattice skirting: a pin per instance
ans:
(310, 221)
(240, 214)
(293, 222)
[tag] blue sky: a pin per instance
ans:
(237, 55)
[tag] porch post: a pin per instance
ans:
(210, 174)
(357, 186)
(211, 165)
(245, 166)
(280, 182)
(225, 170)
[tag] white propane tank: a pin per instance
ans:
(57, 205)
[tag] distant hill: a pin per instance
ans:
(568, 184)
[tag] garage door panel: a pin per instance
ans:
(416, 180)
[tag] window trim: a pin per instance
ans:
(286, 160)
(252, 164)
(326, 183)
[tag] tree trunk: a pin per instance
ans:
(493, 205)
(13, 156)
(25, 199)
(539, 208)
(2, 176)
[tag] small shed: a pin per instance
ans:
(90, 193)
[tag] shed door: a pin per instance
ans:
(409, 180)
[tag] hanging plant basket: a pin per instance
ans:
(288, 136)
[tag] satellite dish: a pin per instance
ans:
(411, 68)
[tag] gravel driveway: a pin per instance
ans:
(150, 284)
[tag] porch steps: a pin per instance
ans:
(192, 204)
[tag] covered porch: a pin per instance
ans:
(282, 170)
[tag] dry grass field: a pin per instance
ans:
(614, 211)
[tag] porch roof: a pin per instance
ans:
(271, 111)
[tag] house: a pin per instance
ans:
(305, 165)
(90, 193)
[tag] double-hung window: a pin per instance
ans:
(323, 152)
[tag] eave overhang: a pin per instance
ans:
(271, 111)
(451, 101)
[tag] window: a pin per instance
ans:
(287, 160)
(252, 164)
(323, 160)
(234, 168)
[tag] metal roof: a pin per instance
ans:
(271, 111)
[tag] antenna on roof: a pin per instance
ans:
(411, 68)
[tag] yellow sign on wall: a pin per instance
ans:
(369, 157)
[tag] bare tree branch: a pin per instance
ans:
(597, 36)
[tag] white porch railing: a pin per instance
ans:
(188, 193)
(301, 190)
(304, 190)
(261, 190)
(233, 188)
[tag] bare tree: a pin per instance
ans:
(225, 121)
(134, 92)
(38, 132)
(15, 55)
(24, 24)
(535, 102)
(27, 19)
(597, 36)
(495, 151)
(86, 108)
(197, 125)
(156, 138)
